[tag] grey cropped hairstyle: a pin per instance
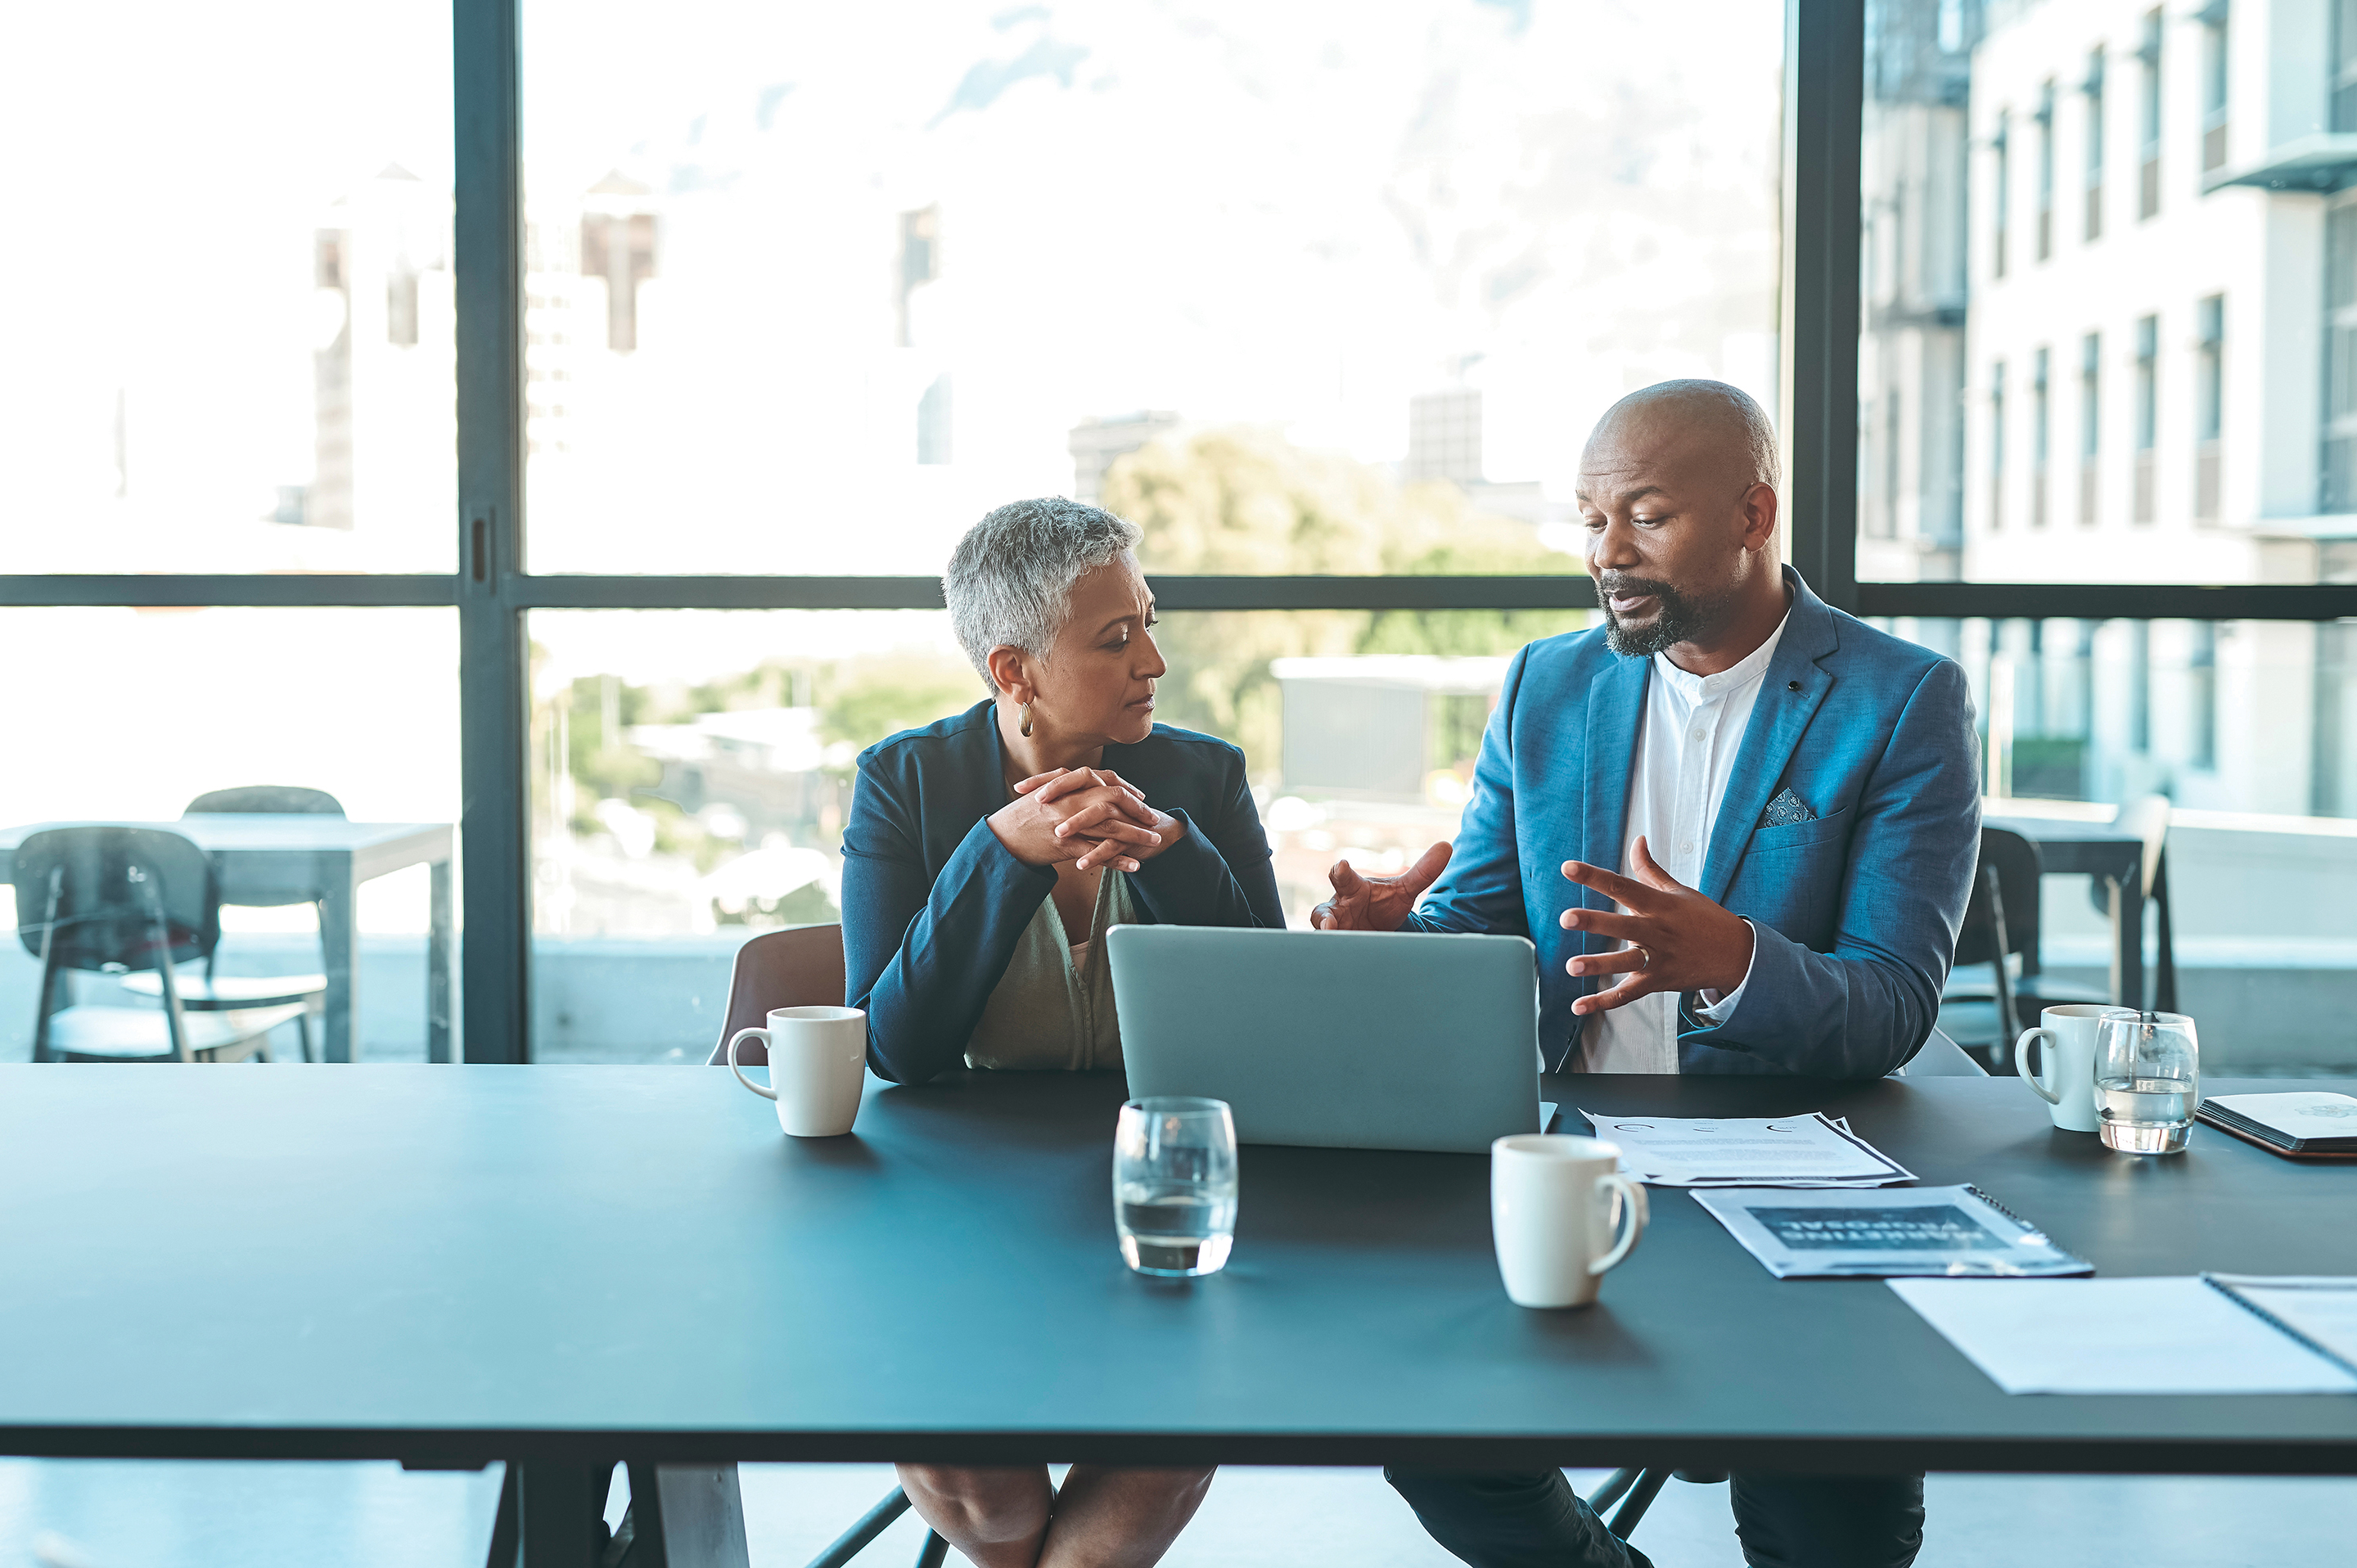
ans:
(1009, 583)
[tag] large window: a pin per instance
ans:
(123, 714)
(811, 289)
(543, 424)
(229, 267)
(2224, 471)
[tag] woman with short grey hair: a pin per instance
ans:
(987, 857)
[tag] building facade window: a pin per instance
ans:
(2046, 171)
(2339, 464)
(2091, 426)
(2344, 65)
(1996, 448)
(2213, 87)
(2040, 432)
(2092, 91)
(2147, 417)
(2002, 195)
(2202, 694)
(2209, 404)
(2149, 119)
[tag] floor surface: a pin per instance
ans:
(107, 1514)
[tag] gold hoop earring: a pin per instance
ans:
(1024, 729)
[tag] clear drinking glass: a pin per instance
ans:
(1174, 1184)
(2147, 1080)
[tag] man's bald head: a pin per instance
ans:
(1709, 422)
(1677, 491)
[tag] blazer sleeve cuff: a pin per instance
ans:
(1181, 884)
(1745, 1018)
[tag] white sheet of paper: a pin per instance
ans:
(2322, 1307)
(2118, 1337)
(1782, 1150)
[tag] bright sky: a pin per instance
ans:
(1294, 215)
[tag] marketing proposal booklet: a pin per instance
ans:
(1951, 1231)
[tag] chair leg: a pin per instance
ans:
(872, 1524)
(50, 972)
(933, 1552)
(1633, 1512)
(303, 1028)
(1616, 1487)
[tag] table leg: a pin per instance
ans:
(339, 940)
(550, 1516)
(2128, 934)
(680, 1516)
(686, 1515)
(437, 967)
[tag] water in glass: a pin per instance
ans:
(1174, 1185)
(2147, 1080)
(2145, 1115)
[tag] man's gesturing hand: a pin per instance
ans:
(1377, 903)
(1678, 939)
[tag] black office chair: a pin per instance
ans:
(2000, 923)
(2146, 819)
(127, 902)
(238, 993)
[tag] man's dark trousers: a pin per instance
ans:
(1533, 1519)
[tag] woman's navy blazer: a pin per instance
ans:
(933, 904)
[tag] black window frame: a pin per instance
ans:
(1824, 82)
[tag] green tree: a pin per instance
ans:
(1249, 503)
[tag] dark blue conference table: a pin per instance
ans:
(563, 1267)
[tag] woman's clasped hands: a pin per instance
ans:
(1090, 816)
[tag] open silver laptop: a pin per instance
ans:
(1345, 1039)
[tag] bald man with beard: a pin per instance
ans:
(1739, 826)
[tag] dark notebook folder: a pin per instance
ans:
(2305, 1123)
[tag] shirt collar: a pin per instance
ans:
(1702, 688)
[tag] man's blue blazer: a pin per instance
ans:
(1855, 911)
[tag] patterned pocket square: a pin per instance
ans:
(1785, 810)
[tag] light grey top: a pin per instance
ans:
(1053, 1008)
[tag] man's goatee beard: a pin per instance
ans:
(1681, 620)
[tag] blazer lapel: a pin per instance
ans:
(1615, 710)
(979, 785)
(1778, 720)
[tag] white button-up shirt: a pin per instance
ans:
(1692, 728)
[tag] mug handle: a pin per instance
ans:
(2037, 1080)
(737, 1039)
(1633, 1215)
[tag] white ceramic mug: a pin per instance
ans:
(1554, 1200)
(818, 1065)
(2064, 1073)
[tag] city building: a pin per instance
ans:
(381, 358)
(2106, 244)
(1097, 444)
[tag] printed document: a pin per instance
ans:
(2119, 1337)
(1779, 1151)
(2321, 1309)
(1879, 1233)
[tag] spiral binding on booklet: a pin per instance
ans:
(2278, 1324)
(2001, 1208)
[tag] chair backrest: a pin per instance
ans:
(2146, 818)
(2005, 883)
(1942, 1057)
(797, 968)
(92, 896)
(267, 798)
(272, 883)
